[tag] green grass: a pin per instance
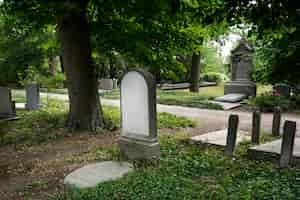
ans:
(48, 123)
(182, 97)
(188, 172)
(165, 120)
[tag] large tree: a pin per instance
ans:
(151, 32)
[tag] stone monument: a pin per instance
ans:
(241, 70)
(138, 116)
(32, 96)
(106, 84)
(7, 106)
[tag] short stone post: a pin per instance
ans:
(32, 96)
(276, 121)
(231, 134)
(287, 144)
(256, 120)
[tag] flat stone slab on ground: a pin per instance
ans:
(273, 149)
(231, 98)
(93, 174)
(219, 137)
(226, 105)
(175, 86)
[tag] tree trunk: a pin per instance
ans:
(52, 65)
(61, 64)
(85, 112)
(195, 72)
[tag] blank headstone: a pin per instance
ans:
(283, 89)
(7, 107)
(276, 121)
(138, 116)
(287, 145)
(256, 119)
(233, 123)
(106, 84)
(32, 96)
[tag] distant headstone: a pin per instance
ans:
(233, 123)
(7, 106)
(282, 90)
(138, 113)
(32, 96)
(241, 70)
(256, 119)
(276, 121)
(115, 83)
(287, 145)
(106, 84)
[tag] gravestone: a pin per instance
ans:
(282, 90)
(241, 70)
(256, 121)
(115, 83)
(138, 116)
(32, 96)
(7, 106)
(287, 145)
(276, 121)
(106, 84)
(233, 124)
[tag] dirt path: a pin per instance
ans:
(38, 171)
(211, 119)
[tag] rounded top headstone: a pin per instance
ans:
(138, 104)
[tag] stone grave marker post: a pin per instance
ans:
(287, 145)
(233, 123)
(256, 120)
(138, 116)
(32, 96)
(276, 121)
(7, 106)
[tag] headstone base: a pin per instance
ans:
(242, 87)
(136, 149)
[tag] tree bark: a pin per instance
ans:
(52, 65)
(85, 111)
(195, 72)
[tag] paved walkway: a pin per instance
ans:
(211, 119)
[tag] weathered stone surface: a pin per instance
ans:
(7, 106)
(232, 98)
(226, 105)
(287, 144)
(276, 121)
(93, 174)
(106, 84)
(233, 124)
(282, 89)
(218, 138)
(241, 70)
(247, 88)
(256, 120)
(32, 96)
(138, 116)
(135, 149)
(272, 150)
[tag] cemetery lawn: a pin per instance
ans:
(189, 99)
(47, 123)
(187, 171)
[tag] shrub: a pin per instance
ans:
(266, 102)
(214, 77)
